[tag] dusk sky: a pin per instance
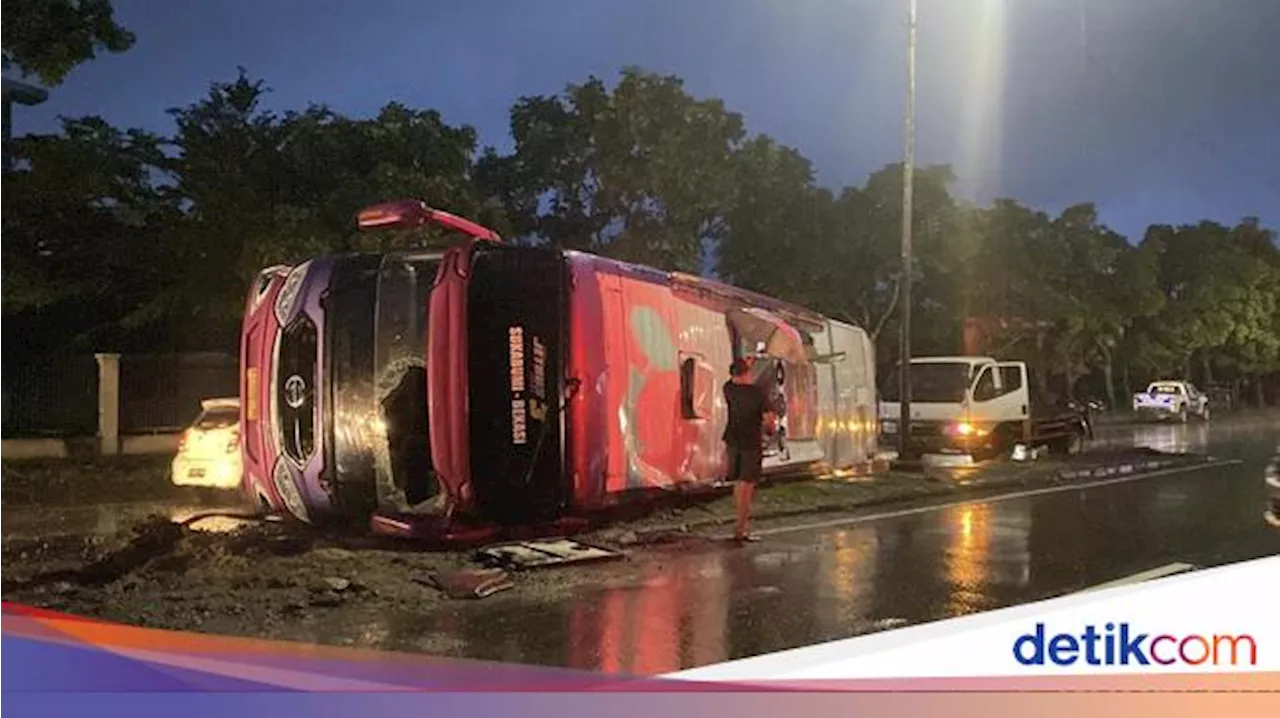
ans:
(1159, 110)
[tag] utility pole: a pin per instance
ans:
(908, 179)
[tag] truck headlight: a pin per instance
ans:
(964, 428)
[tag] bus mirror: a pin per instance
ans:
(404, 214)
(411, 213)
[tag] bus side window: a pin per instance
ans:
(695, 387)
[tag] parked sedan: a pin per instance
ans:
(209, 450)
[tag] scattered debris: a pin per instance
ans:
(1022, 452)
(333, 553)
(326, 599)
(676, 535)
(524, 555)
(336, 583)
(619, 536)
(232, 515)
(468, 582)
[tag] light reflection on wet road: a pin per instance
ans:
(680, 608)
(1193, 436)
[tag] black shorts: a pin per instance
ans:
(745, 464)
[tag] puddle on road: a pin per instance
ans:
(33, 522)
(208, 524)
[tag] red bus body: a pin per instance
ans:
(258, 450)
(561, 383)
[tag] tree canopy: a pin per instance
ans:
(49, 38)
(123, 239)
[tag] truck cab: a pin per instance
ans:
(976, 405)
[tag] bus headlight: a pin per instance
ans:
(282, 477)
(287, 299)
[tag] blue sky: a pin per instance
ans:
(1158, 110)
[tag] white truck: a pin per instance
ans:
(978, 406)
(1169, 399)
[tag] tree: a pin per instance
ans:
(641, 173)
(775, 227)
(1124, 298)
(120, 237)
(49, 38)
(85, 215)
(262, 189)
(870, 234)
(1219, 286)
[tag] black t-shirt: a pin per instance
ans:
(747, 406)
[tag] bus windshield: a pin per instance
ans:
(404, 467)
(349, 331)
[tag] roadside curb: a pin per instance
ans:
(1130, 469)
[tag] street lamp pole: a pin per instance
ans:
(23, 94)
(908, 180)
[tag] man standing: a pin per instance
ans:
(749, 412)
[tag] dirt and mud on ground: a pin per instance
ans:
(270, 579)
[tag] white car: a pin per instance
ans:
(209, 450)
(1171, 400)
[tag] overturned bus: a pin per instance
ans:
(491, 385)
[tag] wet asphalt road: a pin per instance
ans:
(691, 607)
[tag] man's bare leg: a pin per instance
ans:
(743, 493)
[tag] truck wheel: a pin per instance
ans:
(1002, 442)
(1075, 444)
(1182, 414)
(1204, 413)
(1067, 445)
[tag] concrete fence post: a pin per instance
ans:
(109, 403)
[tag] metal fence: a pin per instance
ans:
(162, 392)
(51, 396)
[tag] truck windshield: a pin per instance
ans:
(931, 382)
